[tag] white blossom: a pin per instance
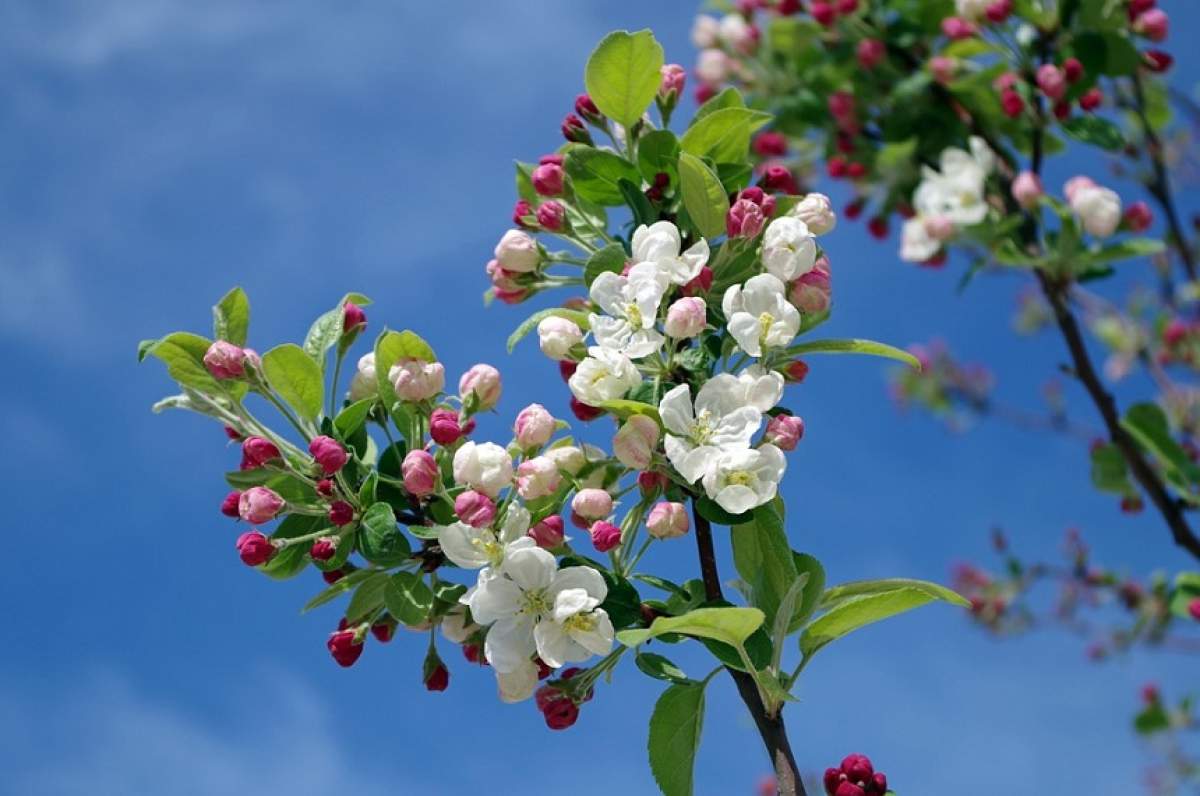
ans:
(816, 211)
(604, 376)
(739, 480)
(720, 420)
(485, 467)
(632, 306)
(788, 248)
(660, 243)
(759, 315)
(1098, 209)
(475, 548)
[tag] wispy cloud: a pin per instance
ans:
(103, 735)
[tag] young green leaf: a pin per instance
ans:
(611, 258)
(1148, 424)
(350, 419)
(596, 174)
(675, 729)
(658, 153)
(623, 74)
(231, 317)
(724, 135)
(183, 354)
(660, 668)
(367, 598)
(703, 195)
(408, 598)
(296, 377)
(763, 558)
(378, 539)
(339, 588)
(728, 625)
(852, 346)
(1094, 130)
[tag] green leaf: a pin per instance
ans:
(1152, 719)
(1094, 130)
(856, 605)
(623, 73)
(660, 668)
(578, 317)
(853, 346)
(727, 98)
(231, 317)
(296, 377)
(1110, 53)
(624, 409)
(408, 598)
(763, 558)
(289, 561)
(352, 417)
(703, 195)
(1148, 424)
(378, 539)
(611, 258)
(596, 174)
(1185, 589)
(367, 598)
(675, 729)
(339, 588)
(814, 587)
(1128, 249)
(724, 135)
(728, 625)
(183, 354)
(658, 153)
(1110, 473)
(323, 335)
(390, 348)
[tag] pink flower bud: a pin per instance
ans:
(744, 219)
(650, 482)
(353, 318)
(878, 227)
(517, 252)
(870, 53)
(943, 68)
(592, 504)
(345, 646)
(328, 453)
(548, 533)
(812, 292)
(259, 504)
(858, 768)
(770, 144)
(548, 179)
(958, 28)
(225, 360)
(585, 107)
(573, 129)
(438, 679)
(1153, 24)
(561, 713)
(1194, 608)
(341, 513)
(254, 548)
(383, 631)
(552, 216)
(1012, 103)
(537, 478)
(484, 381)
(444, 427)
(582, 411)
(523, 214)
(257, 451)
(686, 317)
(796, 371)
(1075, 185)
(848, 788)
(420, 472)
(1138, 217)
(1051, 81)
(674, 78)
(635, 442)
(416, 380)
(557, 336)
(785, 431)
(1073, 70)
(332, 576)
(667, 520)
(229, 506)
(534, 426)
(823, 12)
(1158, 61)
(323, 549)
(475, 509)
(1091, 99)
(701, 284)
(998, 11)
(605, 536)
(1027, 189)
(847, 7)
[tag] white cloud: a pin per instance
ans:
(103, 736)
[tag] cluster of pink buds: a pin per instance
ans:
(557, 704)
(855, 777)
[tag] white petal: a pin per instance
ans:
(698, 462)
(731, 302)
(555, 647)
(736, 428)
(462, 544)
(675, 409)
(736, 499)
(745, 330)
(517, 685)
(495, 599)
(584, 578)
(509, 644)
(516, 523)
(599, 639)
(569, 602)
(530, 568)
(608, 291)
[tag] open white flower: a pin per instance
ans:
(916, 244)
(759, 316)
(485, 467)
(660, 243)
(739, 480)
(473, 548)
(763, 388)
(604, 375)
(788, 248)
(632, 306)
(532, 592)
(956, 190)
(720, 421)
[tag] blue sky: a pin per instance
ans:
(160, 152)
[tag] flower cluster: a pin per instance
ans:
(855, 777)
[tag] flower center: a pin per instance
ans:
(579, 623)
(740, 478)
(765, 322)
(634, 313)
(491, 548)
(702, 429)
(535, 602)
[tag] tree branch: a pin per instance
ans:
(770, 728)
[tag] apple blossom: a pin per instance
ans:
(635, 442)
(736, 33)
(416, 380)
(473, 547)
(557, 336)
(484, 381)
(328, 453)
(537, 478)
(592, 504)
(517, 251)
(788, 248)
(259, 504)
(784, 432)
(1027, 189)
(686, 317)
(454, 625)
(548, 533)
(225, 360)
(254, 549)
(1098, 209)
(475, 509)
(605, 536)
(759, 316)
(705, 31)
(660, 243)
(632, 306)
(712, 66)
(444, 427)
(364, 384)
(534, 426)
(485, 467)
(816, 211)
(761, 389)
(604, 375)
(740, 479)
(719, 420)
(517, 685)
(744, 219)
(667, 520)
(812, 292)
